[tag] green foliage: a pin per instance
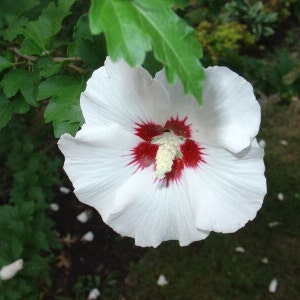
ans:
(39, 33)
(132, 28)
(27, 179)
(253, 14)
(63, 109)
(283, 77)
(217, 38)
(277, 74)
(33, 61)
(90, 48)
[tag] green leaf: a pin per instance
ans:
(47, 67)
(38, 33)
(64, 109)
(65, 126)
(134, 27)
(20, 79)
(12, 13)
(20, 106)
(91, 49)
(12, 10)
(4, 63)
(6, 111)
(119, 22)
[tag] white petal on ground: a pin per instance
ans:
(94, 294)
(227, 190)
(273, 224)
(64, 190)
(265, 260)
(162, 281)
(152, 213)
(117, 93)
(280, 197)
(283, 142)
(273, 285)
(97, 162)
(88, 237)
(262, 143)
(84, 216)
(240, 249)
(228, 100)
(54, 206)
(9, 271)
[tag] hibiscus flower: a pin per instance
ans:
(156, 165)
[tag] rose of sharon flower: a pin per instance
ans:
(156, 165)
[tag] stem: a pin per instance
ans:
(34, 58)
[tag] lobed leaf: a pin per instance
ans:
(38, 33)
(63, 109)
(23, 81)
(133, 28)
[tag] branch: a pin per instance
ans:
(34, 58)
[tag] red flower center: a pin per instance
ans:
(188, 153)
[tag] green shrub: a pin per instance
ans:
(27, 178)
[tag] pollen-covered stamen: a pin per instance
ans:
(167, 151)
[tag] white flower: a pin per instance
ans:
(162, 281)
(9, 271)
(159, 167)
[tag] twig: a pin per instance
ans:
(77, 69)
(34, 58)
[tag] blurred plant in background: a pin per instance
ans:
(238, 35)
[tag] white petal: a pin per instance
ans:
(9, 271)
(97, 162)
(152, 213)
(240, 249)
(54, 206)
(64, 190)
(88, 237)
(262, 143)
(94, 294)
(265, 260)
(274, 224)
(283, 142)
(84, 216)
(227, 190)
(273, 285)
(162, 281)
(230, 114)
(280, 196)
(120, 94)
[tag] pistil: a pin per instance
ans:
(167, 151)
